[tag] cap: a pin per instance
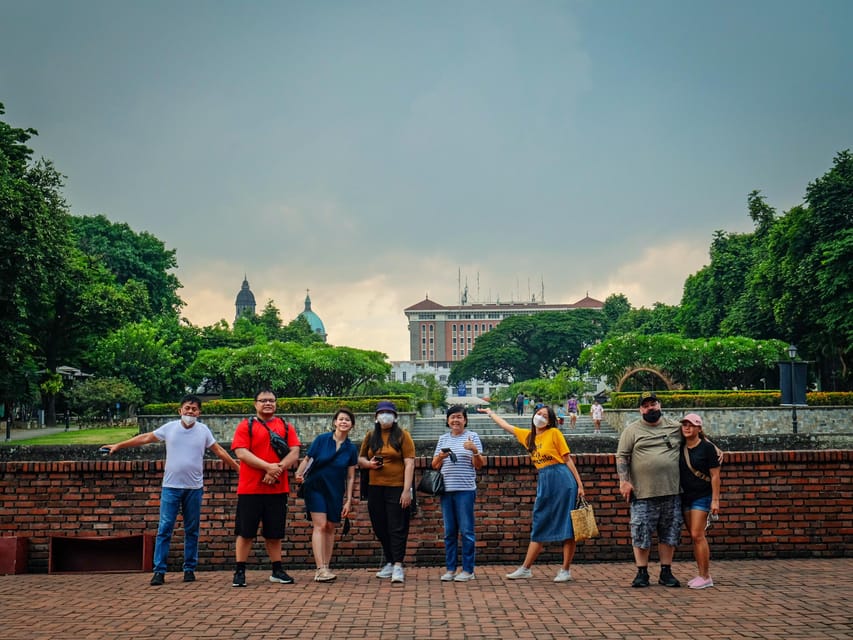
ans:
(693, 419)
(385, 405)
(647, 395)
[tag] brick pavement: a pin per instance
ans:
(759, 599)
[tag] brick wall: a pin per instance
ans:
(774, 504)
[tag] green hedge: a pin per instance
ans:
(246, 406)
(771, 398)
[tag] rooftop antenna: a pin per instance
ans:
(459, 284)
(478, 286)
(542, 289)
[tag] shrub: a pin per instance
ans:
(246, 406)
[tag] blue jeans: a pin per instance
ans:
(457, 509)
(188, 503)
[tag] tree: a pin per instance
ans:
(142, 354)
(34, 247)
(96, 396)
(132, 256)
(288, 368)
(527, 347)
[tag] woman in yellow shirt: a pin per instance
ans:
(557, 490)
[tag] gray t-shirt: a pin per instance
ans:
(652, 453)
(184, 453)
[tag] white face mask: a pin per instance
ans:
(539, 421)
(385, 418)
(188, 420)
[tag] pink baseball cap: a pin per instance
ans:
(693, 419)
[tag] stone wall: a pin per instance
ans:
(753, 420)
(775, 504)
(307, 425)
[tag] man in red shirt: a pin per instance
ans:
(263, 487)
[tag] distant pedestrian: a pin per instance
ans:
(572, 410)
(183, 482)
(596, 411)
(519, 404)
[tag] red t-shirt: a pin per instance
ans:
(251, 479)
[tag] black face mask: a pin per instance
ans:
(652, 416)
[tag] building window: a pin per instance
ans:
(404, 376)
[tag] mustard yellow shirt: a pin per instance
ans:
(551, 447)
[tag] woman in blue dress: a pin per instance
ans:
(327, 474)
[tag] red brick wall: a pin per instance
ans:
(774, 504)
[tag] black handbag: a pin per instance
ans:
(279, 444)
(432, 482)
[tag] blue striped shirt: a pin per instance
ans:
(459, 475)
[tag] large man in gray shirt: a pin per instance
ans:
(647, 465)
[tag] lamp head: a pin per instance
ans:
(792, 351)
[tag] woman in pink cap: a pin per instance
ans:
(700, 498)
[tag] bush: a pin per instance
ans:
(723, 398)
(246, 406)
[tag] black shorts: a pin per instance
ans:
(256, 508)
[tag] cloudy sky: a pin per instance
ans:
(371, 151)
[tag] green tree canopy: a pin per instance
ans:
(532, 346)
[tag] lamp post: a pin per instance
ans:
(792, 354)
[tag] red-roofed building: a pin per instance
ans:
(444, 334)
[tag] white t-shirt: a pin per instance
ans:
(184, 453)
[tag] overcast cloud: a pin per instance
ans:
(370, 151)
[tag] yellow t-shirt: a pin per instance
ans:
(551, 447)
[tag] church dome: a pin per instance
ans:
(313, 319)
(245, 299)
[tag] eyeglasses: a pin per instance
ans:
(669, 444)
(266, 400)
(712, 518)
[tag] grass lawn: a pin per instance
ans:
(107, 435)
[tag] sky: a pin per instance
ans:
(375, 153)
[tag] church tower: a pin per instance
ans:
(245, 300)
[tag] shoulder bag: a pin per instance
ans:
(432, 482)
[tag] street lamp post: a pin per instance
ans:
(792, 354)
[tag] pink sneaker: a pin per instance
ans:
(700, 583)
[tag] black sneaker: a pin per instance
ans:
(189, 576)
(641, 580)
(157, 579)
(281, 577)
(239, 578)
(667, 579)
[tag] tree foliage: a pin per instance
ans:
(697, 363)
(532, 346)
(95, 396)
(288, 368)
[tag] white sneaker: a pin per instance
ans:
(448, 577)
(386, 571)
(563, 575)
(463, 577)
(519, 574)
(397, 574)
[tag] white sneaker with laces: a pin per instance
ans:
(397, 574)
(448, 577)
(464, 576)
(519, 574)
(563, 575)
(386, 571)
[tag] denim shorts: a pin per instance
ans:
(661, 515)
(699, 504)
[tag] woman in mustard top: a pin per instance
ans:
(557, 489)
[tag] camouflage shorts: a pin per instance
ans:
(661, 514)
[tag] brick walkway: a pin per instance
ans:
(765, 600)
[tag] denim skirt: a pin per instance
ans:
(556, 495)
